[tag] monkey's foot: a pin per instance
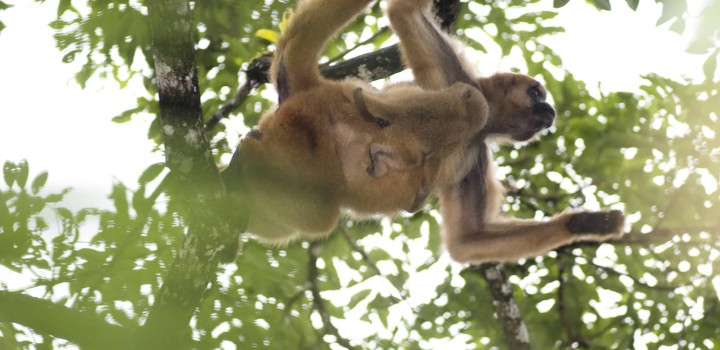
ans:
(607, 222)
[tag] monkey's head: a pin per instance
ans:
(518, 107)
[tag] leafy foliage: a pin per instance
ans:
(385, 284)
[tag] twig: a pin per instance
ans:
(369, 262)
(611, 271)
(567, 323)
(662, 235)
(318, 302)
(231, 105)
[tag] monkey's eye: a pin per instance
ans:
(535, 93)
(383, 123)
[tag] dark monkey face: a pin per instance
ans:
(518, 106)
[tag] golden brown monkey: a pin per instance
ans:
(331, 146)
(473, 229)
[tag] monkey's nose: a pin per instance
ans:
(547, 120)
(545, 113)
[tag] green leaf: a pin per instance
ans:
(2, 26)
(379, 254)
(710, 65)
(39, 182)
(22, 173)
(57, 197)
(40, 223)
(63, 6)
(268, 35)
(126, 116)
(560, 3)
(633, 4)
(358, 297)
(65, 213)
(602, 4)
(9, 173)
(93, 257)
(678, 26)
(671, 9)
(70, 56)
(700, 46)
(138, 200)
(120, 200)
(151, 173)
(4, 6)
(84, 74)
(383, 315)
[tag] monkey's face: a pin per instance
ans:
(518, 106)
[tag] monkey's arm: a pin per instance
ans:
(425, 48)
(295, 66)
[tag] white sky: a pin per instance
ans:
(48, 120)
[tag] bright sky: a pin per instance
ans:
(48, 120)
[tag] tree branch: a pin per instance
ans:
(661, 235)
(195, 184)
(514, 329)
(401, 296)
(372, 66)
(44, 316)
(318, 302)
(566, 319)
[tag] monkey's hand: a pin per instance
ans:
(604, 223)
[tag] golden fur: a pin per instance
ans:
(334, 146)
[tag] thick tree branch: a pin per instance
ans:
(372, 66)
(44, 316)
(195, 184)
(514, 329)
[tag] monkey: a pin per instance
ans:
(335, 147)
(473, 230)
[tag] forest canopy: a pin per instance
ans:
(146, 272)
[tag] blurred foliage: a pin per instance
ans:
(3, 6)
(386, 284)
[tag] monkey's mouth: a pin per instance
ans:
(538, 123)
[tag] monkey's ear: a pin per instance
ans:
(361, 105)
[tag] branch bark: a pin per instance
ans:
(372, 66)
(195, 181)
(85, 329)
(515, 332)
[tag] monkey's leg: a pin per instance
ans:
(425, 48)
(515, 239)
(474, 233)
(295, 67)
